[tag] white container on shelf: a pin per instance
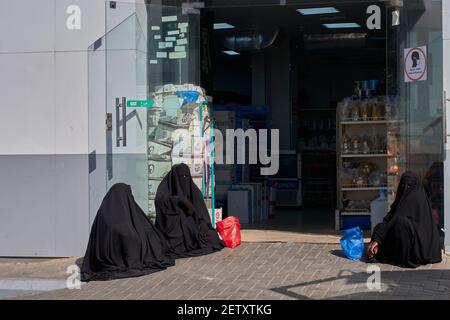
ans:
(378, 209)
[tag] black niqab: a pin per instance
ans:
(182, 216)
(123, 242)
(408, 235)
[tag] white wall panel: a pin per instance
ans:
(27, 205)
(71, 110)
(71, 205)
(27, 25)
(27, 112)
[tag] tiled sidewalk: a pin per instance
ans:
(270, 271)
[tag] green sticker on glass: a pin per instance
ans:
(140, 103)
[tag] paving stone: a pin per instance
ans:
(269, 271)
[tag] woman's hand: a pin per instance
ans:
(372, 250)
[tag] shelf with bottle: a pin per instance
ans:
(362, 176)
(362, 109)
(365, 187)
(372, 154)
(320, 142)
(367, 151)
(369, 121)
(355, 145)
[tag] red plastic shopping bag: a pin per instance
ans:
(230, 231)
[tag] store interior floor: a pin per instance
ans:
(294, 219)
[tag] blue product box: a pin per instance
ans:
(363, 222)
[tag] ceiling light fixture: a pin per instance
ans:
(322, 10)
(222, 25)
(341, 25)
(231, 53)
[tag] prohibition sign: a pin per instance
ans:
(411, 76)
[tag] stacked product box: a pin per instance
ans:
(176, 134)
(236, 117)
(245, 202)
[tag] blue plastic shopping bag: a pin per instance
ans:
(352, 243)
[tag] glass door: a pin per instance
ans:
(126, 97)
(147, 53)
(416, 85)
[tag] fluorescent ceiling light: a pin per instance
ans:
(341, 25)
(231, 53)
(322, 10)
(223, 25)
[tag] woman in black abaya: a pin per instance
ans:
(123, 242)
(182, 216)
(408, 235)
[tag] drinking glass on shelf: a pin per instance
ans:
(366, 109)
(345, 144)
(356, 145)
(365, 146)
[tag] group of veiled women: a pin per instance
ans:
(125, 243)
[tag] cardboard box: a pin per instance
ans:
(197, 143)
(156, 147)
(182, 143)
(158, 167)
(197, 166)
(153, 187)
(165, 129)
(217, 215)
(187, 160)
(153, 116)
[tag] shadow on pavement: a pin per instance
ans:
(402, 284)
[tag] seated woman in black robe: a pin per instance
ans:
(408, 235)
(182, 216)
(123, 242)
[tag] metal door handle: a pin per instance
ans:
(122, 138)
(444, 117)
(124, 121)
(118, 138)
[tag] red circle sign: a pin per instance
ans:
(415, 73)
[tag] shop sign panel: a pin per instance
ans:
(139, 103)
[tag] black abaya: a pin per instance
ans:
(182, 216)
(408, 235)
(123, 242)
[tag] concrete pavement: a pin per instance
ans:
(257, 270)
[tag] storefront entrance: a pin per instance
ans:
(354, 89)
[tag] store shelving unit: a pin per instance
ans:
(367, 122)
(380, 158)
(316, 145)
